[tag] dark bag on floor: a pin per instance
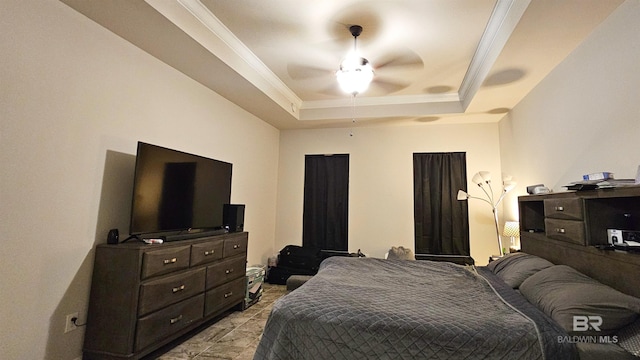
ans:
(280, 274)
(299, 257)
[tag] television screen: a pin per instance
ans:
(175, 191)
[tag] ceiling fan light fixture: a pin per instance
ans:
(355, 75)
(355, 72)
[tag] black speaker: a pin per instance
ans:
(113, 237)
(233, 217)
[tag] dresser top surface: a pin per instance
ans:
(628, 191)
(134, 244)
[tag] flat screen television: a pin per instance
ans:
(176, 192)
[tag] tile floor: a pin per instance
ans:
(234, 337)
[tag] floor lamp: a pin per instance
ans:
(483, 180)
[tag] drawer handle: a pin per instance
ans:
(560, 230)
(179, 288)
(236, 246)
(228, 294)
(228, 271)
(176, 319)
(207, 253)
(170, 261)
(559, 208)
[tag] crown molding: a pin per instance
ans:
(195, 19)
(384, 106)
(504, 18)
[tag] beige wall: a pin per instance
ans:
(75, 99)
(585, 116)
(381, 181)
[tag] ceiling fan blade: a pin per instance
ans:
(302, 72)
(388, 86)
(407, 58)
(333, 91)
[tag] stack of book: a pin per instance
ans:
(605, 175)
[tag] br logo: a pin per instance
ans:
(584, 323)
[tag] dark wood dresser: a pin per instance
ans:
(144, 296)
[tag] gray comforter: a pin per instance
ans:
(393, 309)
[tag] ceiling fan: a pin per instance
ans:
(354, 66)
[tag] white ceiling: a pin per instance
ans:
(435, 61)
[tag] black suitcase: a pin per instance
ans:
(299, 257)
(280, 274)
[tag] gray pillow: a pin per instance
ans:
(515, 268)
(400, 253)
(562, 293)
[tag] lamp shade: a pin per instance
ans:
(462, 195)
(485, 175)
(512, 229)
(477, 179)
(509, 185)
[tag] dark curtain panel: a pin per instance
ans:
(441, 221)
(326, 202)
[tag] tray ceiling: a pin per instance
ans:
(435, 61)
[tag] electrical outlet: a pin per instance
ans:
(70, 325)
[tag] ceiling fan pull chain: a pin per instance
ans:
(353, 108)
(353, 112)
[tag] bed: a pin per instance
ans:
(520, 307)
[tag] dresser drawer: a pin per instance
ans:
(225, 271)
(171, 289)
(165, 322)
(566, 230)
(162, 261)
(235, 246)
(225, 295)
(566, 208)
(206, 252)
